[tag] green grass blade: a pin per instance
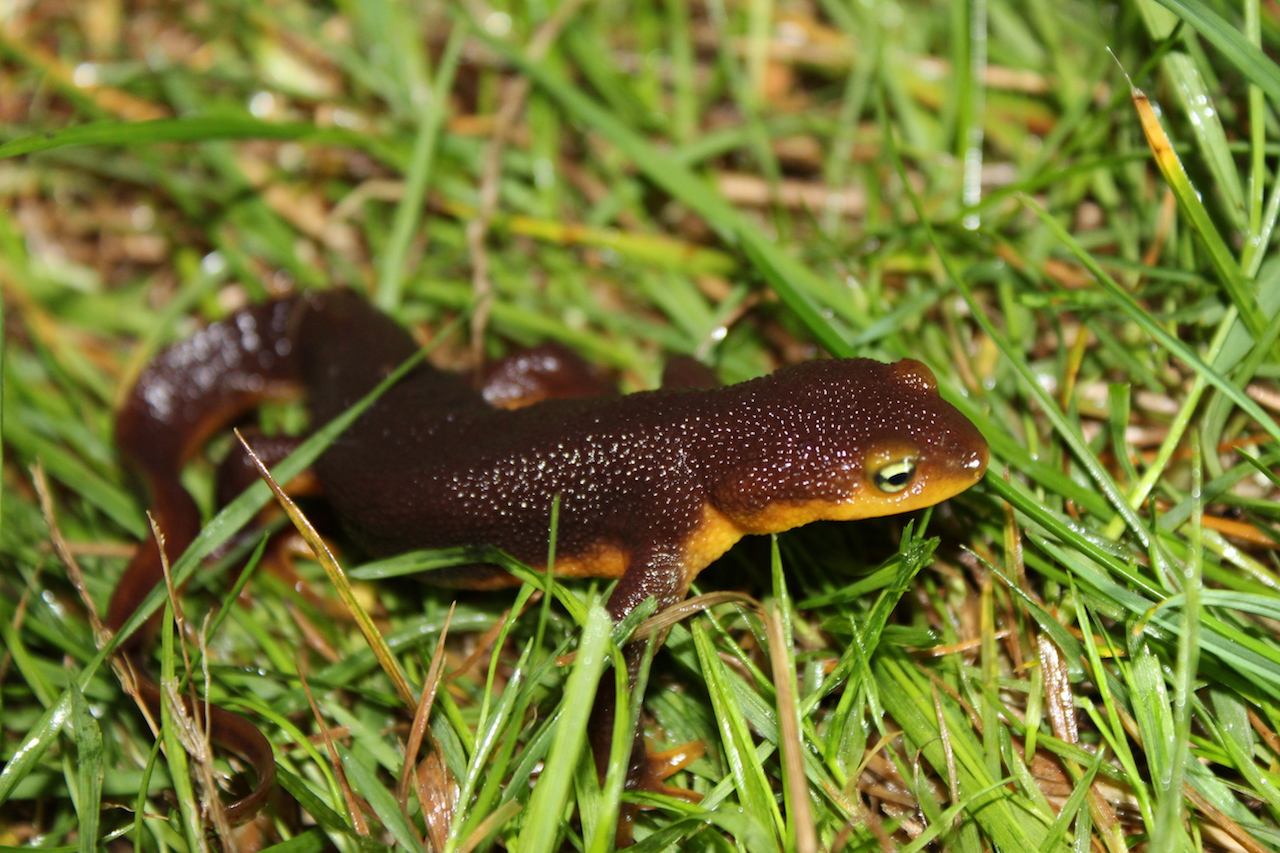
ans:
(549, 800)
(366, 782)
(115, 133)
(1239, 288)
(1235, 48)
(89, 771)
(754, 795)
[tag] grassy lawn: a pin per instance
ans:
(1065, 208)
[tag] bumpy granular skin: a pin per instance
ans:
(645, 481)
(652, 486)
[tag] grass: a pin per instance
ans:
(1080, 652)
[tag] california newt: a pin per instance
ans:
(653, 486)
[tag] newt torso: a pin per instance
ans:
(672, 473)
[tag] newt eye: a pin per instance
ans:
(894, 476)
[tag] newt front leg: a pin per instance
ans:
(660, 574)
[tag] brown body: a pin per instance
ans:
(652, 486)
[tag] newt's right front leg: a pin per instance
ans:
(659, 574)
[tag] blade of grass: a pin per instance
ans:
(549, 800)
(1239, 288)
(1255, 65)
(801, 834)
(756, 799)
(89, 771)
(1169, 800)
(1075, 807)
(432, 114)
(173, 717)
(369, 785)
(200, 129)
(1205, 121)
(338, 577)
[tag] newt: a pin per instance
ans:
(653, 486)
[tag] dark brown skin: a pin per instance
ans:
(653, 486)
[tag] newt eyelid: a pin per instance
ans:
(653, 486)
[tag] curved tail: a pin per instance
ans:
(190, 391)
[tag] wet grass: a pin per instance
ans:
(1079, 652)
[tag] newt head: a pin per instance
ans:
(845, 439)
